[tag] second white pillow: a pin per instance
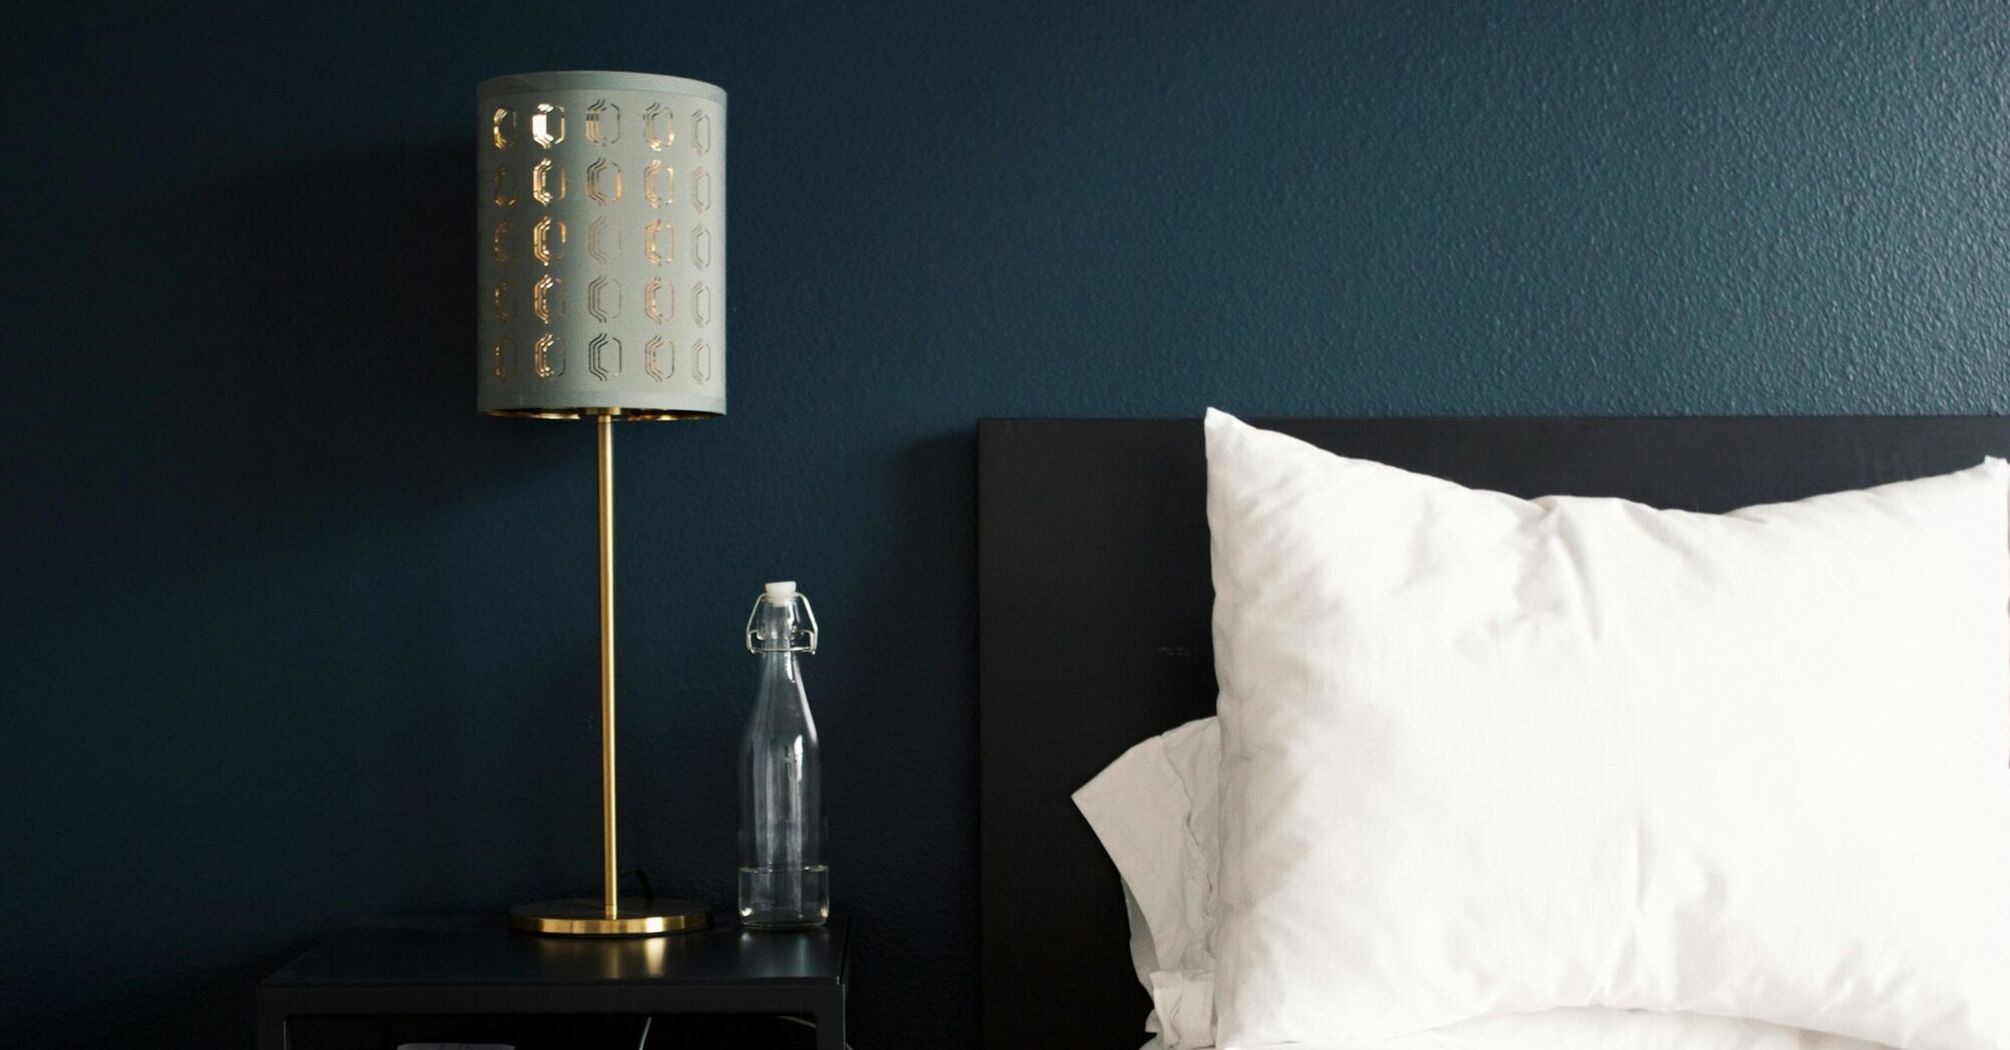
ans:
(1154, 810)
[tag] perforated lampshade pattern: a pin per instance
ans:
(601, 246)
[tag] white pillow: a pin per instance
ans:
(1485, 755)
(1153, 808)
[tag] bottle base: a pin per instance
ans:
(782, 927)
(784, 899)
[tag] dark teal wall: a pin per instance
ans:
(292, 636)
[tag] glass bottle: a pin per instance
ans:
(784, 882)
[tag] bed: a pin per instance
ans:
(1094, 605)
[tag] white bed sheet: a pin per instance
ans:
(1594, 1030)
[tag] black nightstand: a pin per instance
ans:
(475, 967)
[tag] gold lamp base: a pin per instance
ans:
(634, 917)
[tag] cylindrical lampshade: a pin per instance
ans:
(601, 237)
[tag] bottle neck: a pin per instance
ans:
(779, 666)
(782, 658)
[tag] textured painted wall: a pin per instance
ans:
(293, 636)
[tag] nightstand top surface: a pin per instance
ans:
(482, 950)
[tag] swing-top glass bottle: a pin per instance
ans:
(784, 883)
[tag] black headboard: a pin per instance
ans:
(1093, 626)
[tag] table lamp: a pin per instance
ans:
(601, 285)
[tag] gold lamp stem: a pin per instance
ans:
(611, 880)
(610, 916)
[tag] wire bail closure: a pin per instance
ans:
(796, 621)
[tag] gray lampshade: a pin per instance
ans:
(601, 242)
